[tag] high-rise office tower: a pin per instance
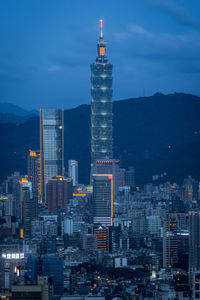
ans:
(194, 242)
(53, 266)
(23, 191)
(130, 177)
(103, 199)
(73, 171)
(10, 184)
(121, 177)
(170, 241)
(51, 146)
(108, 166)
(26, 205)
(89, 242)
(102, 236)
(34, 172)
(101, 104)
(59, 191)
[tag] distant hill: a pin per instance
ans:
(159, 134)
(155, 134)
(12, 118)
(9, 108)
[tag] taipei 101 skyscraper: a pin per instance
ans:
(101, 105)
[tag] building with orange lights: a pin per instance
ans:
(108, 166)
(102, 237)
(101, 105)
(34, 172)
(26, 205)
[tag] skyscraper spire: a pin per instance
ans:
(101, 46)
(101, 33)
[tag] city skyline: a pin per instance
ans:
(131, 231)
(154, 48)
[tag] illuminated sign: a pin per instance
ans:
(13, 255)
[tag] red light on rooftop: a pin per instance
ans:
(104, 162)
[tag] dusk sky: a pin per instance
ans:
(46, 48)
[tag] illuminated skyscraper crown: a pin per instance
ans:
(101, 47)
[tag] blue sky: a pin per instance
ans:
(46, 48)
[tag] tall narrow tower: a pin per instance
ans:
(194, 243)
(170, 254)
(51, 146)
(101, 105)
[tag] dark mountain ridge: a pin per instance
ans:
(12, 118)
(9, 108)
(156, 134)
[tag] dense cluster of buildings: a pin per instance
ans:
(110, 239)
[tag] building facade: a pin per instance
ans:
(34, 172)
(195, 285)
(130, 177)
(170, 241)
(59, 191)
(103, 199)
(51, 146)
(73, 171)
(52, 266)
(101, 105)
(194, 242)
(26, 205)
(102, 236)
(108, 166)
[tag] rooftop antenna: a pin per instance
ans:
(101, 26)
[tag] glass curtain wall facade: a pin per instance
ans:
(103, 199)
(194, 243)
(51, 146)
(101, 105)
(73, 171)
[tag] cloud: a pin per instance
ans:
(190, 67)
(180, 50)
(142, 42)
(10, 73)
(71, 61)
(137, 29)
(177, 12)
(54, 68)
